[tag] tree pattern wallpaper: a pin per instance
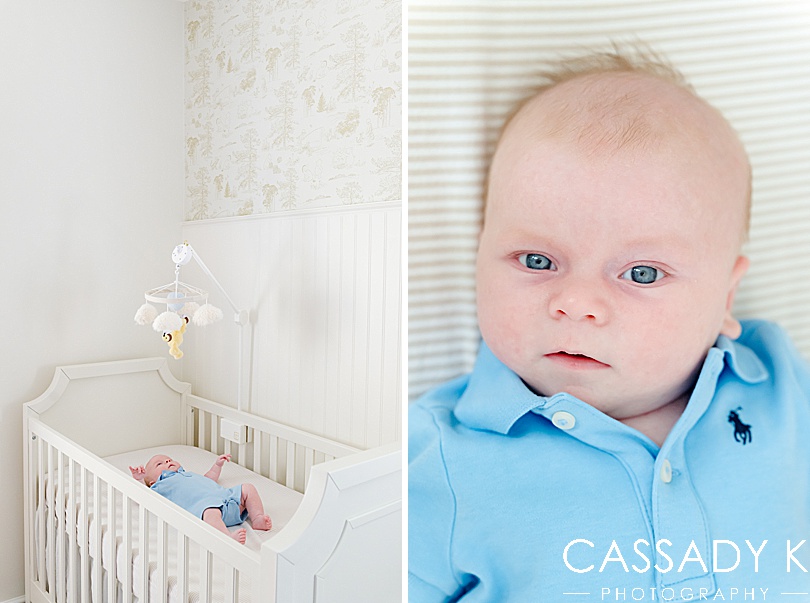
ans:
(292, 104)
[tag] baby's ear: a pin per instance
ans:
(731, 326)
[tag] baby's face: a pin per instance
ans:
(607, 276)
(157, 465)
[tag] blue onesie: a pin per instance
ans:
(515, 497)
(196, 493)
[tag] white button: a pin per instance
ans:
(563, 420)
(666, 471)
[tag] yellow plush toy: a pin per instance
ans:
(175, 338)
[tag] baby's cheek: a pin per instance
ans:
(502, 336)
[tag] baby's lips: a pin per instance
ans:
(574, 356)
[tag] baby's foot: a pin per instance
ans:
(239, 535)
(261, 522)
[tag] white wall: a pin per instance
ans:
(91, 186)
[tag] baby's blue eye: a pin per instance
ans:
(536, 261)
(643, 275)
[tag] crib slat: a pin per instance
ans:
(163, 554)
(257, 451)
(289, 479)
(143, 552)
(84, 541)
(182, 566)
(50, 518)
(214, 434)
(273, 458)
(309, 460)
(73, 587)
(202, 431)
(59, 505)
(205, 576)
(97, 563)
(112, 582)
(126, 543)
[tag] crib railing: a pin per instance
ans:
(67, 487)
(284, 454)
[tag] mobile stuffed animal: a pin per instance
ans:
(173, 322)
(175, 338)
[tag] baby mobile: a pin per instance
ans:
(182, 302)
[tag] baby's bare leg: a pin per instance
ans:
(253, 503)
(213, 516)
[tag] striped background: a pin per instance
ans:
(470, 60)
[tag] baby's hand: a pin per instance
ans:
(216, 468)
(223, 458)
(139, 473)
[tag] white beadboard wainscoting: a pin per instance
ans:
(323, 288)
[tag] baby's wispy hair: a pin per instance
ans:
(605, 119)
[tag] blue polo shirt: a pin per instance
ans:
(519, 497)
(196, 493)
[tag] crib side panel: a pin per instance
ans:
(90, 530)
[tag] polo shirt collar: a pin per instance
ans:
(495, 397)
(166, 474)
(742, 360)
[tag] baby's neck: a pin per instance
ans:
(657, 424)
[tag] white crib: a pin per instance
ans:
(92, 533)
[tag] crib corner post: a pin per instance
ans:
(264, 584)
(27, 502)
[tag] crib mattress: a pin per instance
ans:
(279, 502)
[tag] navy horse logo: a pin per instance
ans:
(742, 432)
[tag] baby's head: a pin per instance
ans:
(617, 204)
(156, 466)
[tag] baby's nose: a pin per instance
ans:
(579, 301)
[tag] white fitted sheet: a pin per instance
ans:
(279, 501)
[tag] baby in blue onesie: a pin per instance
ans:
(202, 496)
(621, 437)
